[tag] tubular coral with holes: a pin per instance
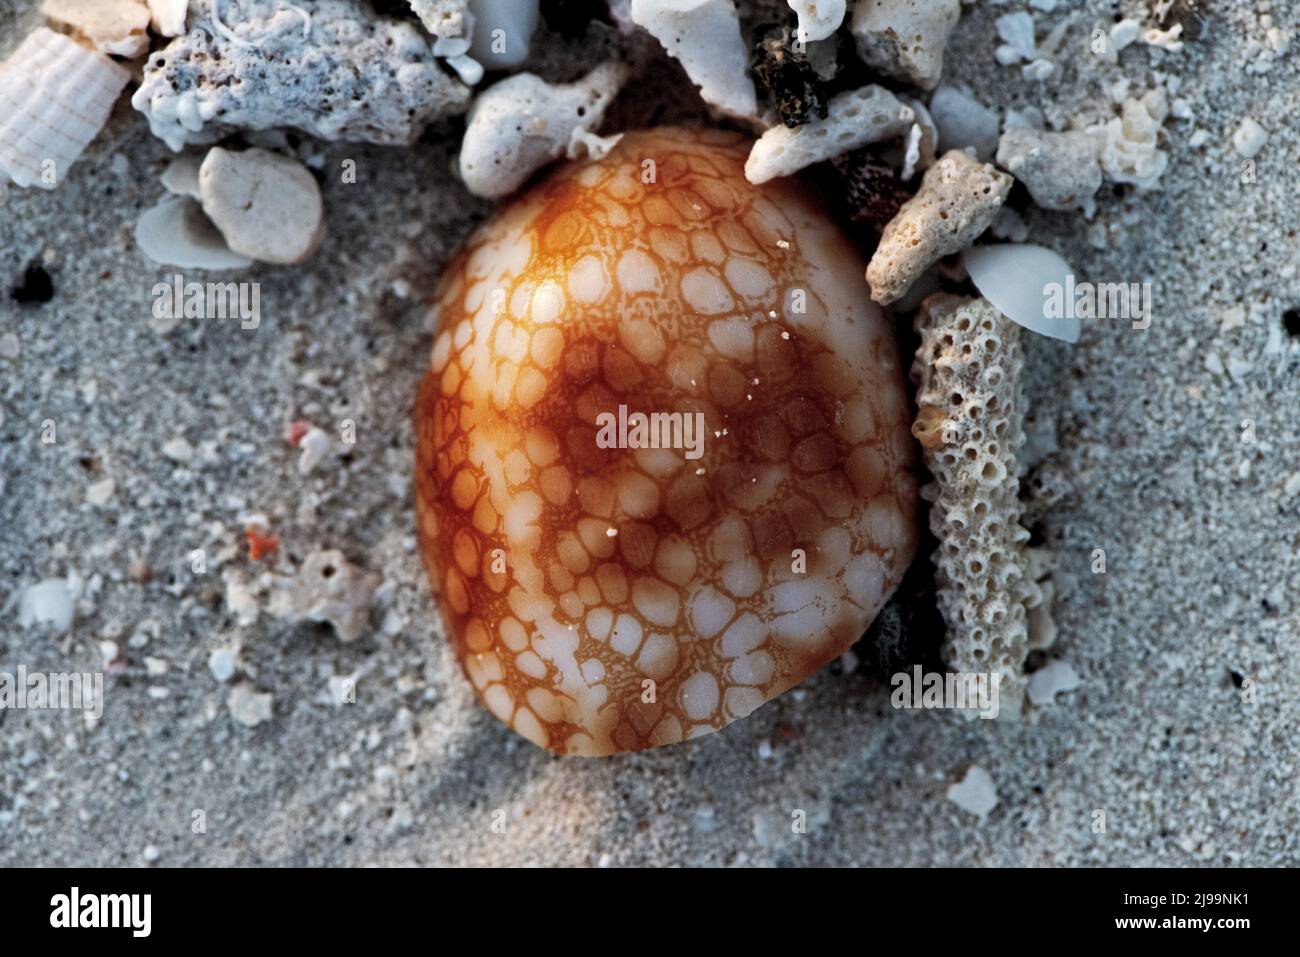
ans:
(611, 599)
(970, 424)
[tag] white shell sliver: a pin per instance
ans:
(55, 97)
(1018, 278)
(176, 233)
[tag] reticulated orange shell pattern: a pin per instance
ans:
(605, 598)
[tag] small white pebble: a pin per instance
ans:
(1249, 138)
(178, 450)
(467, 68)
(1055, 676)
(267, 206)
(1006, 55)
(315, 445)
(1124, 33)
(222, 663)
(975, 793)
(1164, 39)
(247, 706)
(1038, 70)
(100, 492)
(1232, 318)
(151, 854)
(1017, 32)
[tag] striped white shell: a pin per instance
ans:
(55, 97)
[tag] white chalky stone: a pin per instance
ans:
(267, 206)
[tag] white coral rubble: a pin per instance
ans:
(958, 199)
(1130, 151)
(970, 423)
(1060, 170)
(705, 36)
(452, 22)
(447, 19)
(523, 123)
(328, 588)
(905, 39)
(337, 73)
(853, 119)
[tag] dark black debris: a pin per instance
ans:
(872, 191)
(788, 78)
(36, 286)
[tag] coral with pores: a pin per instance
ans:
(1129, 143)
(958, 199)
(855, 118)
(329, 68)
(970, 423)
(905, 39)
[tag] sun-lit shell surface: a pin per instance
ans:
(610, 599)
(55, 97)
